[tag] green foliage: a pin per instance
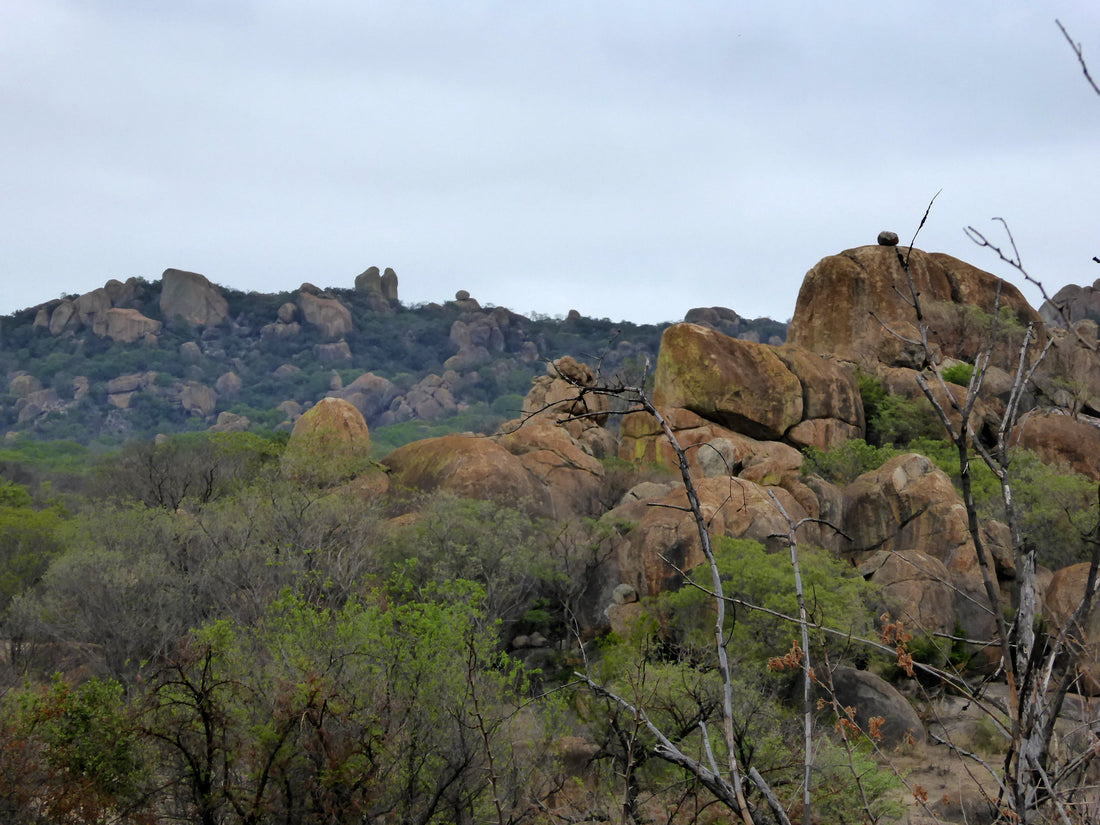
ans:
(384, 708)
(13, 495)
(73, 753)
(29, 540)
(478, 418)
(679, 686)
(1056, 507)
(958, 374)
(836, 596)
(501, 549)
(846, 462)
(193, 467)
(893, 419)
(46, 456)
(836, 796)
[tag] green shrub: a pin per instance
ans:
(958, 374)
(845, 463)
(893, 419)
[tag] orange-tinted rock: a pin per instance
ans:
(571, 476)
(125, 325)
(1064, 595)
(909, 505)
(469, 467)
(743, 386)
(330, 443)
(562, 396)
(847, 301)
(91, 305)
(830, 390)
(1062, 439)
(732, 508)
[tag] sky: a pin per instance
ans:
(630, 160)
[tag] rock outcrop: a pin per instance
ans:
(467, 466)
(852, 307)
(767, 393)
(381, 288)
(190, 296)
(1063, 597)
(1077, 303)
(873, 696)
(330, 442)
(910, 507)
(1063, 439)
(742, 386)
(126, 326)
(323, 311)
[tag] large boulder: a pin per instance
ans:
(91, 305)
(720, 319)
(740, 385)
(125, 325)
(37, 403)
(62, 317)
(371, 394)
(710, 448)
(330, 443)
(1070, 375)
(23, 384)
(1063, 439)
(323, 311)
(916, 588)
(1064, 595)
(477, 336)
(1077, 303)
(572, 477)
(855, 307)
(563, 396)
(832, 409)
(190, 296)
(389, 284)
(910, 505)
(369, 280)
(198, 399)
(228, 384)
(664, 537)
(872, 696)
(469, 467)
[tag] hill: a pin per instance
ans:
(140, 358)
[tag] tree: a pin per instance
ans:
(396, 709)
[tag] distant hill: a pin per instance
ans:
(135, 359)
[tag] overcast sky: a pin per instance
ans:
(630, 160)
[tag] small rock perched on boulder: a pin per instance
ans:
(886, 238)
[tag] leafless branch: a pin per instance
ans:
(1080, 59)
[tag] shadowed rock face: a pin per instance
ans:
(190, 296)
(873, 696)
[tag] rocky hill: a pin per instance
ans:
(572, 517)
(139, 358)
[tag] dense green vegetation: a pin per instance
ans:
(1057, 506)
(198, 635)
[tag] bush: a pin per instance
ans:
(958, 374)
(845, 463)
(893, 420)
